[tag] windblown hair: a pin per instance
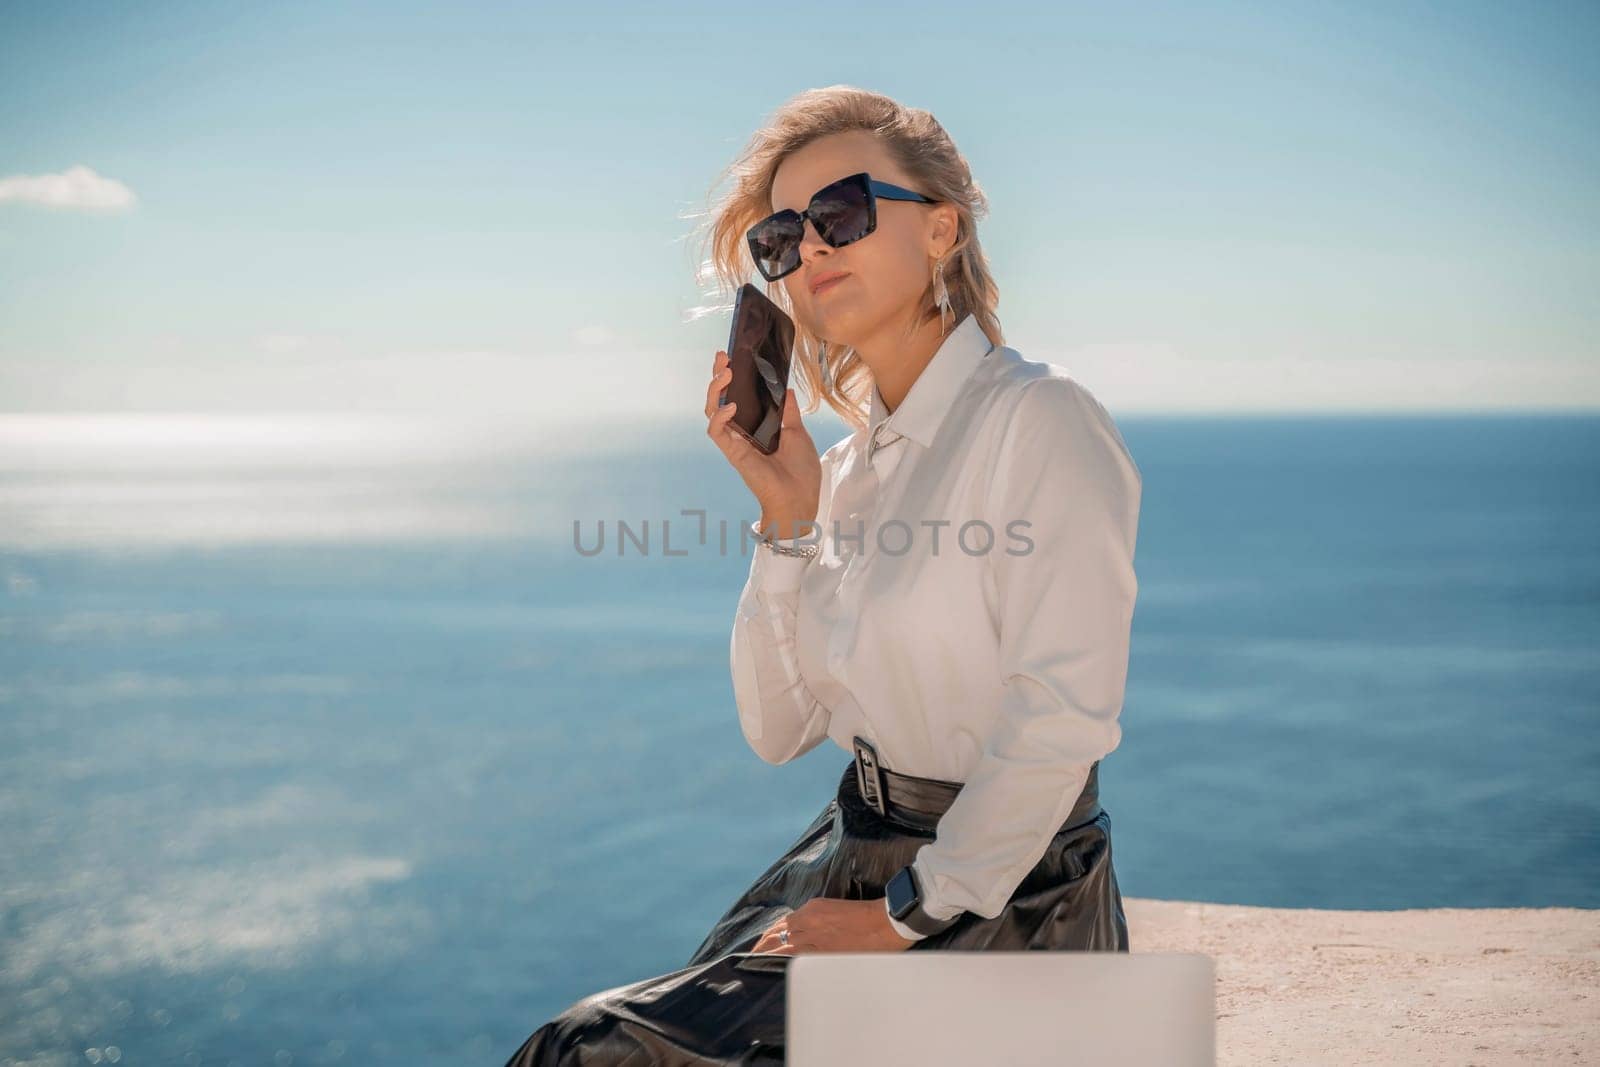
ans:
(936, 168)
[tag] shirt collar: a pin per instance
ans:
(936, 388)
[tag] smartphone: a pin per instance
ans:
(759, 348)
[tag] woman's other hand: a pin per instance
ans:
(827, 924)
(787, 484)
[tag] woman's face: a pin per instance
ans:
(886, 271)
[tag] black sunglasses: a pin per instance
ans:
(845, 211)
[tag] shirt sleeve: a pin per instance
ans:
(1065, 614)
(780, 718)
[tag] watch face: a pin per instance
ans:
(902, 893)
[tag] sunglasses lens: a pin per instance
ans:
(775, 244)
(842, 212)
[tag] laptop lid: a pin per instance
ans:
(1021, 1009)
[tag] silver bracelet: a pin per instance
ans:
(800, 551)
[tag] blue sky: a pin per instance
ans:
(483, 207)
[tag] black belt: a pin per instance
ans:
(919, 802)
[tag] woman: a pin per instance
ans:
(960, 626)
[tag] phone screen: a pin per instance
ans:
(759, 348)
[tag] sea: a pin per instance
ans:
(329, 739)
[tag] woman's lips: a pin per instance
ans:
(829, 284)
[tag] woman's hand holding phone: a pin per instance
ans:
(788, 483)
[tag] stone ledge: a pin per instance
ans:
(1432, 985)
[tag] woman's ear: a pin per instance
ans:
(943, 226)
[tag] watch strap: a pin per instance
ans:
(901, 928)
(925, 924)
(917, 918)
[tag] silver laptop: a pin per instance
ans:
(1017, 1009)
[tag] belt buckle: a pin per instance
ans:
(869, 777)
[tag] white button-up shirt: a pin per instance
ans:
(969, 612)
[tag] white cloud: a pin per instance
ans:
(536, 388)
(551, 393)
(1158, 376)
(593, 335)
(76, 188)
(282, 344)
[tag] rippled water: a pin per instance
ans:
(321, 743)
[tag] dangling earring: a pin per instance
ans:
(822, 365)
(941, 295)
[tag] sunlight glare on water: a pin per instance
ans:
(194, 479)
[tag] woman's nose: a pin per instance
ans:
(811, 242)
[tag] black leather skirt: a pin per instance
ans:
(726, 1005)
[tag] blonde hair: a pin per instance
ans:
(936, 168)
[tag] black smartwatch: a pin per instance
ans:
(905, 904)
